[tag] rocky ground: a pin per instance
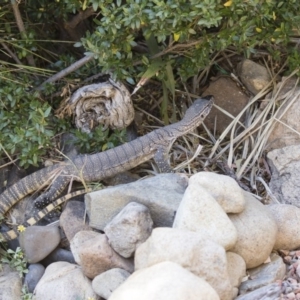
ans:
(176, 236)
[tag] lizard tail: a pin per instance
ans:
(12, 234)
(27, 185)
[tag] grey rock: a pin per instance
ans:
(105, 283)
(165, 280)
(38, 241)
(269, 292)
(161, 194)
(229, 97)
(93, 253)
(35, 273)
(129, 228)
(72, 219)
(285, 167)
(254, 76)
(59, 254)
(264, 274)
(10, 284)
(121, 178)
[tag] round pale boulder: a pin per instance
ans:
(287, 218)
(191, 250)
(165, 280)
(257, 232)
(200, 212)
(223, 188)
(236, 267)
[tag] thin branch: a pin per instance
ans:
(78, 64)
(15, 57)
(9, 163)
(20, 24)
(81, 16)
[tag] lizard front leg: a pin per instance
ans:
(54, 191)
(160, 158)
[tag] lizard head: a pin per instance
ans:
(201, 107)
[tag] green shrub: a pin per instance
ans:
(187, 32)
(24, 126)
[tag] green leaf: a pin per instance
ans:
(153, 69)
(77, 44)
(145, 60)
(152, 45)
(47, 112)
(95, 5)
(170, 81)
(164, 105)
(192, 31)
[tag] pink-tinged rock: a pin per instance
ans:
(93, 253)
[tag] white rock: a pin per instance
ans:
(200, 212)
(64, 281)
(256, 232)
(223, 188)
(162, 281)
(287, 218)
(192, 251)
(129, 228)
(10, 283)
(236, 267)
(93, 253)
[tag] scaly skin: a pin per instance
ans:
(95, 167)
(12, 234)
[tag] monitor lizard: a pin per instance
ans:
(95, 167)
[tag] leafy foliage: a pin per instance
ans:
(16, 260)
(25, 294)
(24, 123)
(99, 139)
(190, 31)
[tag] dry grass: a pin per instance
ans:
(239, 151)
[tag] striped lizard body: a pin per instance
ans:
(12, 234)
